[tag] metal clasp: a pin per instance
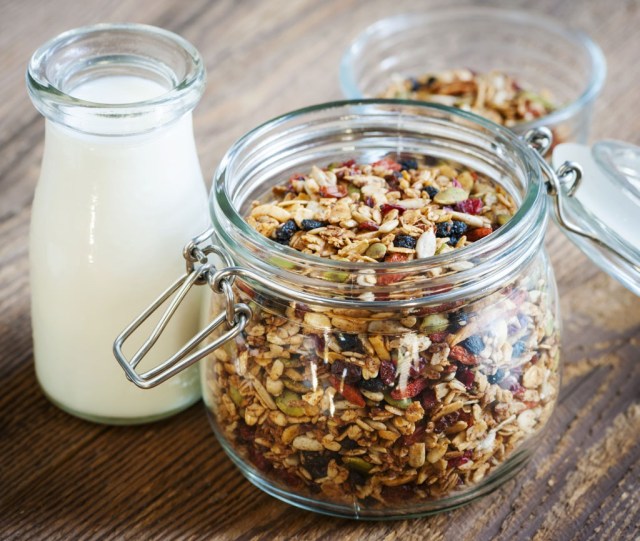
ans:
(563, 183)
(199, 271)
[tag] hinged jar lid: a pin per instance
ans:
(605, 206)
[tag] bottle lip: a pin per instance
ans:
(494, 258)
(115, 49)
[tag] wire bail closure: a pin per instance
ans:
(199, 271)
(563, 183)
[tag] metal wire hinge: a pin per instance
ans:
(561, 183)
(199, 271)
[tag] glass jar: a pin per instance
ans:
(120, 189)
(380, 390)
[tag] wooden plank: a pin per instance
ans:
(62, 478)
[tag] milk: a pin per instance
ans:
(110, 218)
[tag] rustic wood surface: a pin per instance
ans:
(62, 478)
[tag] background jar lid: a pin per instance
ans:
(607, 205)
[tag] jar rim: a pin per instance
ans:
(59, 104)
(531, 213)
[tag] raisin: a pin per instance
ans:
(349, 373)
(315, 463)
(348, 444)
(474, 344)
(308, 225)
(284, 233)
(405, 241)
(432, 191)
(349, 342)
(375, 385)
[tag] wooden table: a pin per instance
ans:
(62, 478)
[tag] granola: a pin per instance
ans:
(388, 211)
(386, 409)
(494, 95)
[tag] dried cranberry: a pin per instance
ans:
(368, 226)
(388, 207)
(387, 372)
(465, 376)
(445, 422)
(337, 192)
(428, 399)
(393, 180)
(417, 435)
(469, 206)
(368, 200)
(348, 163)
(460, 460)
(438, 337)
(417, 367)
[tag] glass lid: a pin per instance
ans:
(605, 205)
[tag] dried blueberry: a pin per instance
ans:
(405, 241)
(350, 373)
(453, 240)
(432, 191)
(408, 163)
(284, 233)
(474, 344)
(415, 84)
(458, 228)
(308, 225)
(443, 229)
(349, 342)
(497, 377)
(518, 348)
(374, 385)
(457, 320)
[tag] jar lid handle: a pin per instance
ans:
(199, 272)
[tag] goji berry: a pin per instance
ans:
(478, 233)
(412, 389)
(348, 391)
(387, 163)
(460, 354)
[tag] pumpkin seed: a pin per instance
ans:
(450, 196)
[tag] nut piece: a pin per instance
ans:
(426, 245)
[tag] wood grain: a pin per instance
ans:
(62, 478)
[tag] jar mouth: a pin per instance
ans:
(345, 122)
(86, 54)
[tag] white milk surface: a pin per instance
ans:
(110, 218)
